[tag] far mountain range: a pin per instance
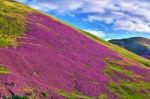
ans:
(137, 45)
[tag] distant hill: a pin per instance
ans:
(137, 45)
(44, 58)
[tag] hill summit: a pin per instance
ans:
(137, 45)
(44, 58)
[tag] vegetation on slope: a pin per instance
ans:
(118, 49)
(16, 97)
(73, 95)
(4, 70)
(77, 95)
(128, 87)
(123, 88)
(12, 21)
(124, 83)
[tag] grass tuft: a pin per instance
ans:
(103, 96)
(73, 95)
(4, 70)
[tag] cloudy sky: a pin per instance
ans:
(107, 19)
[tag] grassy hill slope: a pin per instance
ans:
(44, 58)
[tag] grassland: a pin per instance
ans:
(12, 22)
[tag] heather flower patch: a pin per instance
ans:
(73, 62)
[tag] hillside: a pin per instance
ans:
(44, 58)
(137, 45)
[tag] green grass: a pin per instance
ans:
(73, 95)
(12, 21)
(4, 70)
(125, 89)
(113, 67)
(130, 90)
(45, 93)
(103, 96)
(7, 42)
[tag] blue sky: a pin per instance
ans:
(108, 19)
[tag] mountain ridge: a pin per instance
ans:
(137, 45)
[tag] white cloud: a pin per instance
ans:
(97, 33)
(131, 26)
(131, 15)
